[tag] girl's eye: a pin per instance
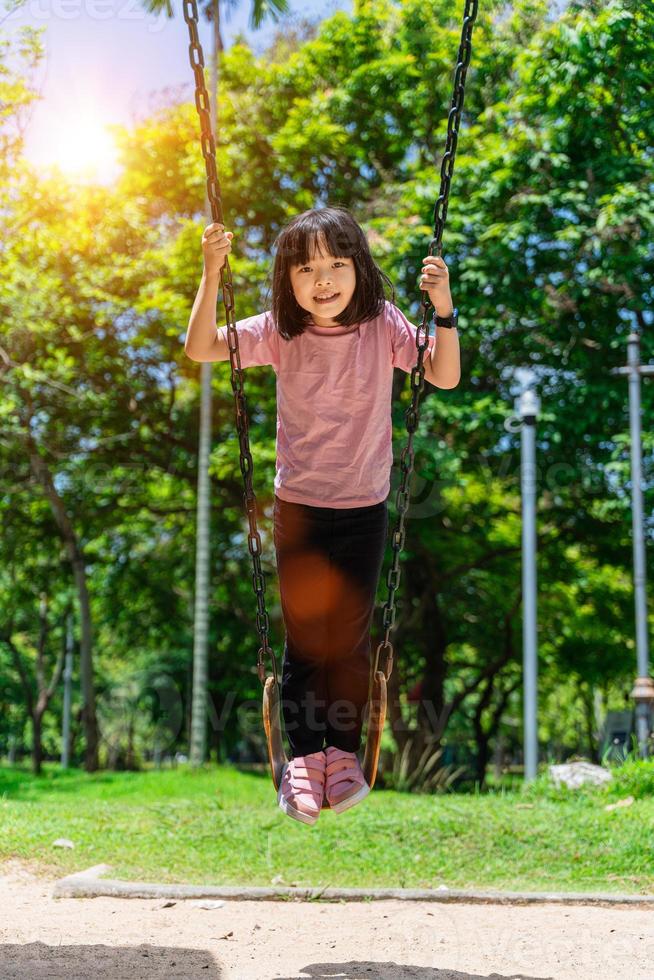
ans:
(308, 266)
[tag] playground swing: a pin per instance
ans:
(377, 696)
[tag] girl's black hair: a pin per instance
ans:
(343, 237)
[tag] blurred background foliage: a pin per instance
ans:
(549, 246)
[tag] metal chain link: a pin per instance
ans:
(412, 414)
(203, 107)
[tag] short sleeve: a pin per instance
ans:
(258, 340)
(404, 350)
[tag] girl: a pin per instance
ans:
(333, 340)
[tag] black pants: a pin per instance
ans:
(329, 561)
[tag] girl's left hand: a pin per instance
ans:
(435, 278)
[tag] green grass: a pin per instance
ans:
(221, 826)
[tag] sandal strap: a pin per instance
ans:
(308, 763)
(339, 764)
(347, 780)
(306, 768)
(343, 769)
(306, 785)
(340, 754)
(307, 773)
(302, 782)
(343, 761)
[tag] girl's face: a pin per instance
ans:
(324, 275)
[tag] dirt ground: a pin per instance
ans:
(139, 939)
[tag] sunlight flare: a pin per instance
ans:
(82, 145)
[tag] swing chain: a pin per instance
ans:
(412, 414)
(202, 105)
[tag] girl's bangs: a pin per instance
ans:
(304, 240)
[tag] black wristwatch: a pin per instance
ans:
(447, 321)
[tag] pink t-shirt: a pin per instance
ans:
(334, 389)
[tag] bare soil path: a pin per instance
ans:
(140, 939)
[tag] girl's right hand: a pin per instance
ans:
(216, 245)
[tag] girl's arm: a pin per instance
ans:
(203, 341)
(443, 364)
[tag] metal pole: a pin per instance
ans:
(643, 690)
(527, 406)
(68, 690)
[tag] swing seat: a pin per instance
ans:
(374, 728)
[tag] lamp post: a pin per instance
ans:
(643, 690)
(527, 406)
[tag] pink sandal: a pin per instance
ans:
(301, 790)
(345, 785)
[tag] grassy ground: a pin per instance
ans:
(221, 826)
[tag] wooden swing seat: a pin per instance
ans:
(374, 728)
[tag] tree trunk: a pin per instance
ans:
(130, 756)
(433, 713)
(37, 742)
(586, 691)
(394, 711)
(498, 758)
(36, 709)
(76, 558)
(482, 736)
